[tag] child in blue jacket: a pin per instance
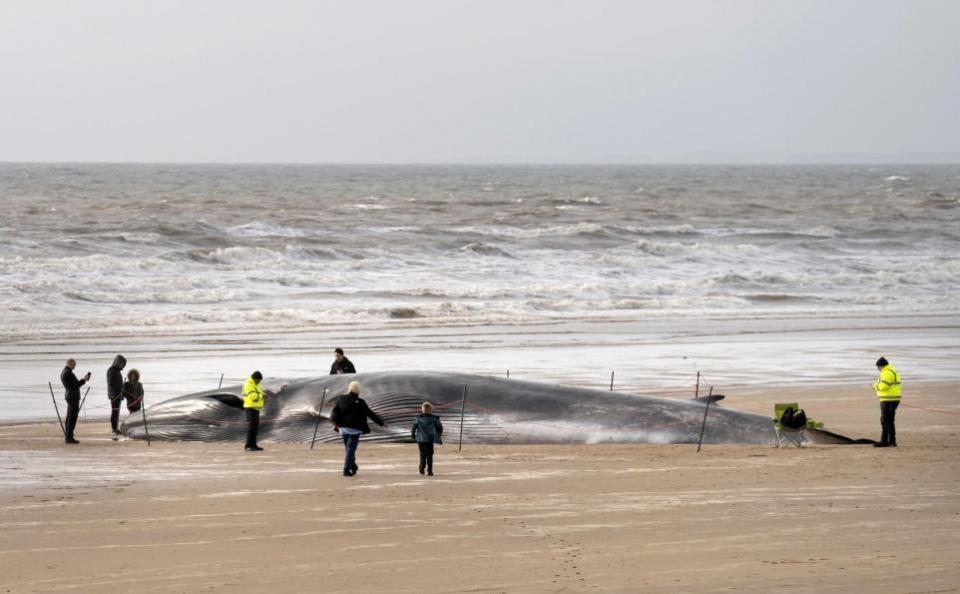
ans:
(426, 431)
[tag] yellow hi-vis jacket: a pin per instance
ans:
(252, 395)
(888, 384)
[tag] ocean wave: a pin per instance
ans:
(309, 254)
(777, 297)
(549, 231)
(134, 237)
(585, 230)
(69, 266)
(757, 278)
(665, 249)
(940, 201)
(393, 229)
(819, 232)
(668, 230)
(235, 255)
(201, 317)
(484, 249)
(569, 202)
(199, 233)
(239, 256)
(891, 178)
(131, 295)
(261, 229)
(281, 317)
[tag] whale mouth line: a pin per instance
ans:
(231, 400)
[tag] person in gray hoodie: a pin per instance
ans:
(115, 393)
(426, 431)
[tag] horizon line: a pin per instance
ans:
(494, 163)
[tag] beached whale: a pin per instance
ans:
(494, 411)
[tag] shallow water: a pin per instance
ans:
(657, 357)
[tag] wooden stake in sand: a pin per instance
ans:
(84, 400)
(703, 427)
(611, 380)
(220, 385)
(696, 391)
(57, 408)
(143, 410)
(319, 418)
(463, 405)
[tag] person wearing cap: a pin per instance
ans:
(888, 387)
(341, 364)
(72, 387)
(253, 401)
(349, 417)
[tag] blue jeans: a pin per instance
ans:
(350, 443)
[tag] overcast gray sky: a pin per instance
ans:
(485, 81)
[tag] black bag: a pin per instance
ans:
(800, 419)
(793, 420)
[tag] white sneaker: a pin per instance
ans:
(116, 436)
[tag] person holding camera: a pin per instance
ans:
(72, 386)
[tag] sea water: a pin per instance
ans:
(100, 257)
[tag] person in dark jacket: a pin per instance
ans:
(72, 395)
(349, 417)
(115, 393)
(341, 364)
(426, 431)
(133, 391)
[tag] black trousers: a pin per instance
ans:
(426, 455)
(115, 415)
(888, 414)
(253, 425)
(73, 411)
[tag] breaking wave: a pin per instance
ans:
(251, 246)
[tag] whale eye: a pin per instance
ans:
(229, 399)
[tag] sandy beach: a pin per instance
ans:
(175, 517)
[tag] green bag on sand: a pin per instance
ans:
(814, 424)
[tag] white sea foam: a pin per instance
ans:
(239, 255)
(695, 243)
(261, 229)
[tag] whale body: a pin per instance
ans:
(494, 411)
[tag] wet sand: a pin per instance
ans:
(656, 356)
(177, 517)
